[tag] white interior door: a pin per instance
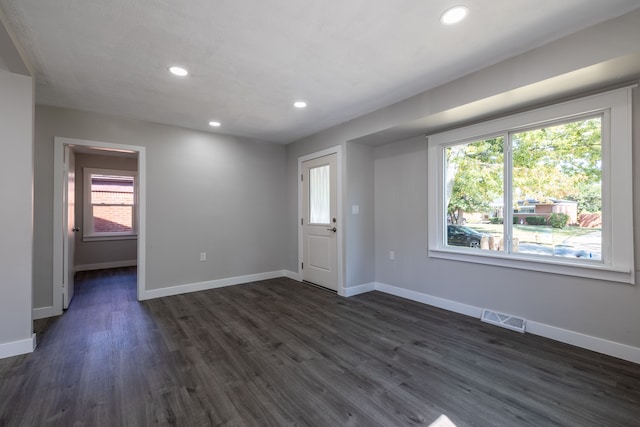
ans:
(69, 218)
(319, 221)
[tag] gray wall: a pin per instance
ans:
(359, 242)
(205, 193)
(104, 251)
(16, 192)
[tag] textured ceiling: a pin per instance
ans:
(250, 59)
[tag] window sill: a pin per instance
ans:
(532, 263)
(95, 238)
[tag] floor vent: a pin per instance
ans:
(514, 323)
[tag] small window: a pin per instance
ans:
(109, 204)
(546, 190)
(319, 195)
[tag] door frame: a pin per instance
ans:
(337, 150)
(59, 229)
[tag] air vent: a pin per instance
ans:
(505, 320)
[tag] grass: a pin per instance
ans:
(537, 233)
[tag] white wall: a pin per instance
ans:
(205, 193)
(101, 252)
(16, 190)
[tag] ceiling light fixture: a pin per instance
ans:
(178, 71)
(300, 104)
(454, 15)
(214, 124)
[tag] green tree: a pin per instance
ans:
(559, 161)
(562, 162)
(474, 176)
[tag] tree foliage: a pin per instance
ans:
(556, 162)
(474, 176)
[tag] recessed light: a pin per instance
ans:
(300, 104)
(214, 124)
(454, 15)
(178, 71)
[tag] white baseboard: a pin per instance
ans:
(43, 312)
(211, 284)
(359, 289)
(599, 345)
(443, 303)
(103, 265)
(292, 275)
(16, 348)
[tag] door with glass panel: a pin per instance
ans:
(319, 222)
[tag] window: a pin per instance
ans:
(319, 195)
(109, 204)
(546, 190)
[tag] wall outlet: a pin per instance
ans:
(355, 209)
(392, 255)
(203, 256)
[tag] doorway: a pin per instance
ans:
(321, 226)
(65, 226)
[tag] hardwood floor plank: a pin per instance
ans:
(281, 353)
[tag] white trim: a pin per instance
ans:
(599, 345)
(617, 228)
(292, 275)
(43, 312)
(58, 230)
(359, 289)
(103, 265)
(211, 284)
(15, 348)
(341, 223)
(446, 304)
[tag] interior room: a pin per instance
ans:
(320, 213)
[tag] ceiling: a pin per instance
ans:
(249, 60)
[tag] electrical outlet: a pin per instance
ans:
(392, 255)
(203, 256)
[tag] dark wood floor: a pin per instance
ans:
(277, 353)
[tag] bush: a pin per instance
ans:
(495, 220)
(558, 220)
(536, 220)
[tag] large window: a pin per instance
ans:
(547, 190)
(109, 204)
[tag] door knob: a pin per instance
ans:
(332, 229)
(75, 229)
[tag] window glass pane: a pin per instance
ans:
(557, 190)
(319, 195)
(111, 189)
(474, 194)
(112, 219)
(112, 199)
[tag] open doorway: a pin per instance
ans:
(99, 212)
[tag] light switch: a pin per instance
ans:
(355, 209)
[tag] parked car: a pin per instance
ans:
(460, 235)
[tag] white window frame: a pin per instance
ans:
(617, 227)
(87, 217)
